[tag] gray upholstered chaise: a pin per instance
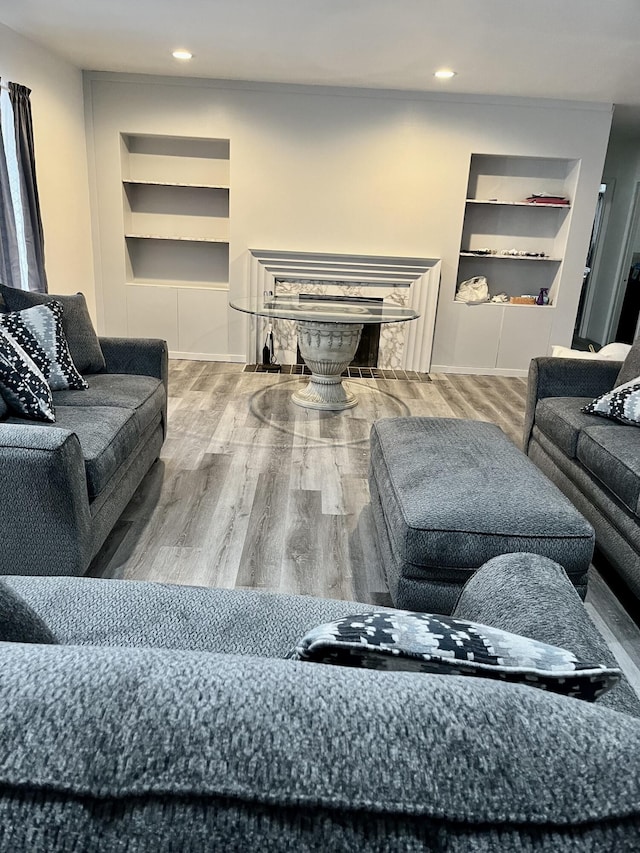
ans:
(63, 486)
(593, 460)
(170, 721)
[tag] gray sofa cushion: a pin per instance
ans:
(107, 436)
(138, 613)
(561, 419)
(81, 336)
(144, 395)
(200, 751)
(19, 623)
(613, 456)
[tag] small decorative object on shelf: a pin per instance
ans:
(518, 253)
(473, 291)
(547, 198)
(543, 296)
(523, 300)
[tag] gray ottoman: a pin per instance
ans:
(447, 495)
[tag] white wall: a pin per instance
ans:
(622, 165)
(61, 159)
(354, 171)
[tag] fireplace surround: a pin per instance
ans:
(407, 282)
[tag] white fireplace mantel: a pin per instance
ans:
(411, 282)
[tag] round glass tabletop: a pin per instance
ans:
(324, 309)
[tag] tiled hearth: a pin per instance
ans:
(408, 282)
(349, 373)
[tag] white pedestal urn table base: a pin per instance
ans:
(327, 349)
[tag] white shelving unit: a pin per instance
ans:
(175, 193)
(498, 218)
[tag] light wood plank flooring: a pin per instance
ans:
(254, 491)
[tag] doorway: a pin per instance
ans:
(628, 320)
(581, 339)
(626, 304)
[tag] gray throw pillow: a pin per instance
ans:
(22, 384)
(443, 645)
(18, 622)
(622, 404)
(40, 333)
(84, 345)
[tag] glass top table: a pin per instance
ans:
(329, 332)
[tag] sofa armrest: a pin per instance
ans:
(566, 377)
(532, 596)
(45, 520)
(139, 356)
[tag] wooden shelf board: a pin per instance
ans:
(202, 186)
(176, 237)
(180, 283)
(517, 203)
(505, 305)
(508, 257)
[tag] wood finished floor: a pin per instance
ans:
(254, 491)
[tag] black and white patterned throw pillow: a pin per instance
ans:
(423, 642)
(622, 404)
(22, 384)
(39, 332)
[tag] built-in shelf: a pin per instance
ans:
(498, 218)
(176, 214)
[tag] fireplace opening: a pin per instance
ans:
(367, 352)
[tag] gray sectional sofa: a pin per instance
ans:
(64, 485)
(169, 719)
(593, 460)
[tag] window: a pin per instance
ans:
(21, 234)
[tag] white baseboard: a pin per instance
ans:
(208, 356)
(482, 371)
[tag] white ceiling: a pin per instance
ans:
(569, 49)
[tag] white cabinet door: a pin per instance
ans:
(152, 312)
(470, 338)
(203, 322)
(525, 335)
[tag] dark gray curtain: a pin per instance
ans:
(34, 234)
(9, 257)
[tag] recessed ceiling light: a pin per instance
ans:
(444, 74)
(182, 54)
